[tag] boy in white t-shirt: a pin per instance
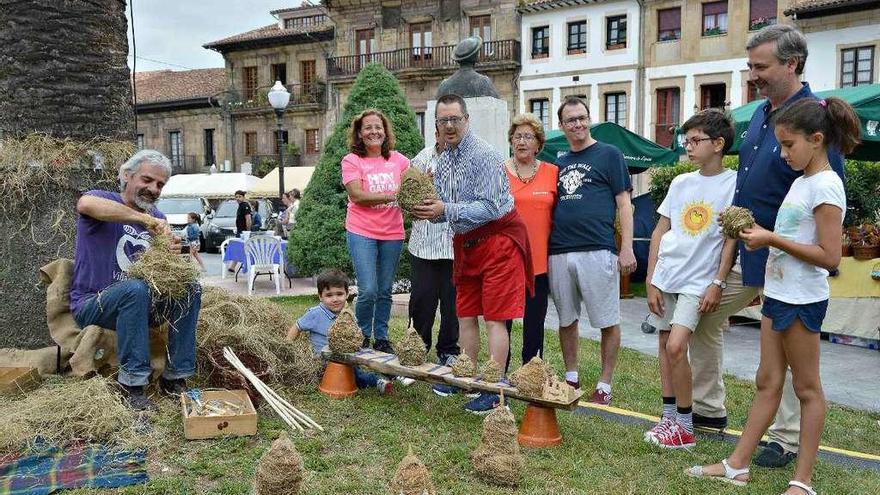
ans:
(688, 262)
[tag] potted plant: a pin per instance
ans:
(865, 241)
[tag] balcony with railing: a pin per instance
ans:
(500, 52)
(302, 97)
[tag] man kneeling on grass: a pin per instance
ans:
(333, 293)
(688, 263)
(111, 230)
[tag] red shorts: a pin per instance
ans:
(492, 281)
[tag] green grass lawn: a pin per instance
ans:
(367, 435)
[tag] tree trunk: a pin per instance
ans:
(63, 69)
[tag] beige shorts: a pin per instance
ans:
(680, 309)
(591, 277)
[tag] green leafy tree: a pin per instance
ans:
(318, 240)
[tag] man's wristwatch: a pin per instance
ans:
(720, 283)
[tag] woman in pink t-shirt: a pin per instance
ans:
(374, 222)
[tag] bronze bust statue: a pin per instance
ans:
(467, 82)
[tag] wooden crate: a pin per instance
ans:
(237, 425)
(14, 381)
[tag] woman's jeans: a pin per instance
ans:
(125, 308)
(375, 263)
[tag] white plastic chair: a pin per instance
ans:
(260, 251)
(223, 255)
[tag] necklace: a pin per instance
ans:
(528, 178)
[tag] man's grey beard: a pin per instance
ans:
(143, 204)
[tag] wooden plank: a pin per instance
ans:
(18, 380)
(388, 364)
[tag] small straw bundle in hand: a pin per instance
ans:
(280, 470)
(415, 187)
(498, 458)
(168, 274)
(412, 477)
(735, 219)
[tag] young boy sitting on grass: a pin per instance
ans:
(687, 265)
(333, 293)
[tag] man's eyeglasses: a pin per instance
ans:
(582, 120)
(523, 137)
(455, 121)
(693, 142)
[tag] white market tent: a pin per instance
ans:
(209, 186)
(294, 177)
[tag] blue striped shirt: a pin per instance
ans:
(472, 183)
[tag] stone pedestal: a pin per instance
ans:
(489, 118)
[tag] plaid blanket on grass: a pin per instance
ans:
(75, 467)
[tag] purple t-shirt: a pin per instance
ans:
(104, 251)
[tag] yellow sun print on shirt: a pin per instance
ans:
(696, 217)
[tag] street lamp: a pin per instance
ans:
(279, 97)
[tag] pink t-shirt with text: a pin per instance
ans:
(377, 175)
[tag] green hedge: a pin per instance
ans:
(318, 240)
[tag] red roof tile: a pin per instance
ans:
(266, 33)
(814, 5)
(166, 85)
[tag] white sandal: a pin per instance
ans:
(729, 476)
(808, 489)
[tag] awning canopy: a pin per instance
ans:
(639, 153)
(864, 99)
(210, 186)
(294, 177)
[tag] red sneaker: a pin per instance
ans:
(675, 437)
(601, 397)
(663, 425)
(575, 385)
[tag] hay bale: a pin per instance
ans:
(168, 274)
(530, 378)
(492, 371)
(280, 470)
(67, 410)
(344, 336)
(415, 187)
(412, 477)
(411, 349)
(498, 458)
(735, 219)
(255, 327)
(463, 367)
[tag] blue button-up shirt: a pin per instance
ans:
(472, 183)
(763, 180)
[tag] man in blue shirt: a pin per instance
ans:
(777, 55)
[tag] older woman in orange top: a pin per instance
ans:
(533, 186)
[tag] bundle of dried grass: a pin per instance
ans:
(463, 367)
(735, 219)
(280, 470)
(344, 336)
(411, 349)
(415, 187)
(498, 458)
(492, 371)
(530, 379)
(168, 274)
(255, 327)
(412, 477)
(67, 410)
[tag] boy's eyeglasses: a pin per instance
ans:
(695, 141)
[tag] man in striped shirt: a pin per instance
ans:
(430, 249)
(492, 264)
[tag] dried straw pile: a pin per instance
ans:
(463, 367)
(168, 274)
(411, 349)
(412, 477)
(256, 327)
(344, 336)
(66, 410)
(498, 458)
(415, 187)
(492, 371)
(530, 379)
(280, 470)
(735, 219)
